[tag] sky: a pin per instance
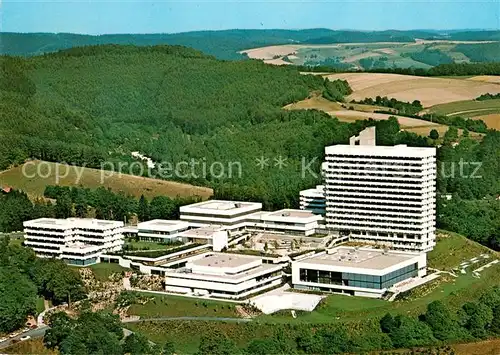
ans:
(133, 16)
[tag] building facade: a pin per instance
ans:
(162, 231)
(314, 200)
(363, 272)
(286, 221)
(77, 241)
(224, 276)
(382, 194)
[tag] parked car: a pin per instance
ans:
(26, 337)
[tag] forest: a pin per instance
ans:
(26, 278)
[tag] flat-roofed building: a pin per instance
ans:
(286, 221)
(382, 194)
(160, 230)
(356, 271)
(215, 235)
(231, 215)
(314, 200)
(62, 238)
(224, 275)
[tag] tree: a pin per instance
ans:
(136, 344)
(17, 299)
(168, 348)
(143, 209)
(443, 324)
(477, 318)
(451, 135)
(387, 323)
(410, 332)
(434, 134)
(217, 344)
(263, 347)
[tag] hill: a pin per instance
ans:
(223, 44)
(25, 178)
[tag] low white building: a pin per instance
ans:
(78, 241)
(224, 276)
(231, 215)
(160, 230)
(364, 272)
(286, 221)
(214, 235)
(313, 200)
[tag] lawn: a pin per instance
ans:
(40, 306)
(452, 249)
(469, 108)
(38, 174)
(177, 306)
(103, 271)
(143, 245)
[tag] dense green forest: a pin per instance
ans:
(23, 278)
(432, 57)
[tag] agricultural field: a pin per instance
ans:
(468, 108)
(34, 176)
(363, 56)
(429, 91)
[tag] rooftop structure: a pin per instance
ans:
(357, 271)
(78, 241)
(161, 230)
(382, 194)
(212, 234)
(229, 214)
(313, 200)
(224, 275)
(286, 221)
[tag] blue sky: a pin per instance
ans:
(132, 16)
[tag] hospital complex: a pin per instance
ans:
(374, 217)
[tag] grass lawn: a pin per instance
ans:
(34, 184)
(103, 271)
(142, 245)
(40, 307)
(177, 306)
(472, 108)
(452, 249)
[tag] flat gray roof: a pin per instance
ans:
(292, 213)
(225, 260)
(365, 258)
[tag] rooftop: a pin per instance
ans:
(292, 213)
(220, 260)
(363, 258)
(162, 224)
(390, 151)
(207, 231)
(221, 207)
(74, 223)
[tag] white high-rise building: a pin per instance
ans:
(382, 194)
(313, 200)
(78, 241)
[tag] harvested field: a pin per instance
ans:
(271, 52)
(492, 120)
(430, 91)
(486, 78)
(36, 175)
(315, 102)
(277, 61)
